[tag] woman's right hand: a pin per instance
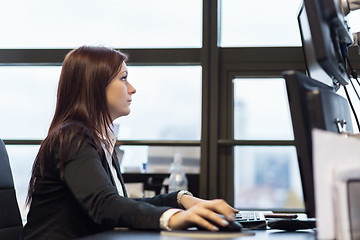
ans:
(201, 213)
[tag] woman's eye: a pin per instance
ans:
(123, 79)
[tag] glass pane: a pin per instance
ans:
(261, 109)
(157, 159)
(166, 105)
(113, 23)
(21, 160)
(259, 23)
(27, 100)
(266, 178)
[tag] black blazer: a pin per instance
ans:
(86, 201)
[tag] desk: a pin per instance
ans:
(154, 235)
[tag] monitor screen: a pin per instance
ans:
(313, 105)
(325, 38)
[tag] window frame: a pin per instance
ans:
(219, 67)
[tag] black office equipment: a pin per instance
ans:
(313, 101)
(291, 224)
(313, 105)
(10, 219)
(325, 37)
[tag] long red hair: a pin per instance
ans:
(81, 101)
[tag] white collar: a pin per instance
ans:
(109, 143)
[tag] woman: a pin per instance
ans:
(76, 188)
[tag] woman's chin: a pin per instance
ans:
(125, 113)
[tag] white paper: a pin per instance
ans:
(330, 151)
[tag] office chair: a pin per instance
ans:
(10, 219)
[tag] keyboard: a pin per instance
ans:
(252, 219)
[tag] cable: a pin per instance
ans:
(353, 74)
(357, 81)
(352, 71)
(352, 107)
(352, 84)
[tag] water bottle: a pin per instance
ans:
(177, 180)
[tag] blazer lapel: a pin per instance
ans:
(116, 164)
(107, 167)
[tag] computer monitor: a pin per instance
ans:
(313, 105)
(325, 38)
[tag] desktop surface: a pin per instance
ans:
(156, 235)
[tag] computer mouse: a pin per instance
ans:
(233, 226)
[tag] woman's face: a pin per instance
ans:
(118, 94)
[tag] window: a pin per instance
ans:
(192, 93)
(261, 109)
(166, 105)
(259, 23)
(158, 159)
(128, 24)
(267, 178)
(21, 159)
(28, 97)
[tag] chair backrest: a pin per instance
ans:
(10, 219)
